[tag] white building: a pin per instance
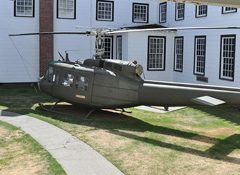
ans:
(196, 56)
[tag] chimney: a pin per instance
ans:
(46, 42)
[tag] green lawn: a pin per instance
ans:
(195, 140)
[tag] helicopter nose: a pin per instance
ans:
(39, 83)
(38, 86)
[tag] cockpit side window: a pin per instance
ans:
(55, 78)
(50, 74)
(68, 80)
(82, 83)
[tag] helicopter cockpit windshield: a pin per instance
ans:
(49, 74)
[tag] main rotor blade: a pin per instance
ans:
(174, 29)
(51, 33)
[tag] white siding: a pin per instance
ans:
(86, 19)
(139, 52)
(212, 57)
(12, 66)
(214, 17)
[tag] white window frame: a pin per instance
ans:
(179, 10)
(138, 10)
(24, 8)
(227, 63)
(200, 55)
(178, 53)
(156, 53)
(119, 48)
(226, 10)
(200, 10)
(163, 12)
(66, 9)
(105, 10)
(108, 47)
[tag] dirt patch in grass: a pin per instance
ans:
(15, 156)
(220, 132)
(3, 132)
(108, 140)
(26, 164)
(192, 141)
(150, 145)
(138, 161)
(21, 155)
(202, 166)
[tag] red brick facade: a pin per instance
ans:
(46, 43)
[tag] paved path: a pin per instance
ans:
(76, 157)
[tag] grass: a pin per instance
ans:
(195, 140)
(21, 154)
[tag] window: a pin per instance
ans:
(50, 74)
(226, 10)
(108, 47)
(179, 11)
(105, 11)
(119, 47)
(228, 44)
(82, 83)
(56, 78)
(24, 8)
(68, 80)
(201, 11)
(140, 13)
(200, 55)
(178, 57)
(156, 53)
(163, 12)
(66, 9)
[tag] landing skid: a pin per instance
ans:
(126, 111)
(50, 110)
(166, 108)
(90, 112)
(55, 104)
(61, 113)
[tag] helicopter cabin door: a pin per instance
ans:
(49, 80)
(83, 83)
(74, 86)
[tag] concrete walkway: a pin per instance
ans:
(76, 157)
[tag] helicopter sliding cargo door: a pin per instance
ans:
(73, 86)
(83, 83)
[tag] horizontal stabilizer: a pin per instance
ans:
(207, 100)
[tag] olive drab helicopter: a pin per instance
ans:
(109, 83)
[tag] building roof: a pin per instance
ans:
(228, 3)
(148, 26)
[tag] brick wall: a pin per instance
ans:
(46, 42)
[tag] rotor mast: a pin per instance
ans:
(99, 43)
(100, 33)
